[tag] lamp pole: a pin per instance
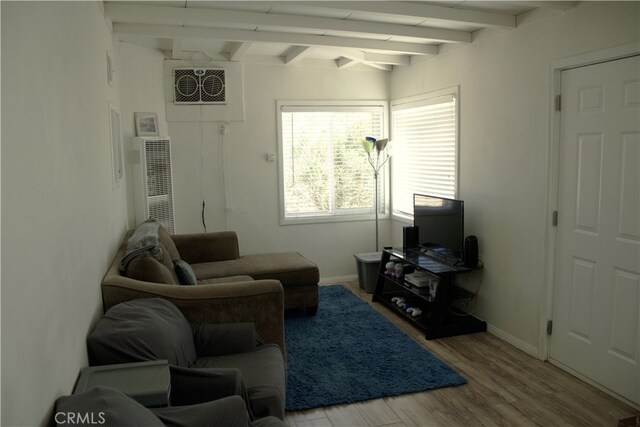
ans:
(369, 144)
(375, 183)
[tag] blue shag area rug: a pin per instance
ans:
(348, 352)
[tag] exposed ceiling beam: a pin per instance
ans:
(176, 49)
(415, 10)
(385, 62)
(137, 14)
(345, 52)
(382, 67)
(296, 53)
(560, 5)
(377, 58)
(344, 63)
(170, 31)
(380, 58)
(238, 50)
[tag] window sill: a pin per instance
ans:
(331, 219)
(402, 218)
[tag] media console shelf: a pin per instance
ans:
(434, 299)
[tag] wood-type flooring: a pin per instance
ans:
(506, 387)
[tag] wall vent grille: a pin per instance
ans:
(199, 86)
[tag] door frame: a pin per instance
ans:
(556, 68)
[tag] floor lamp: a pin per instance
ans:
(381, 158)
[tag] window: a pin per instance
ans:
(425, 148)
(324, 173)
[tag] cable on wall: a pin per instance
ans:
(204, 222)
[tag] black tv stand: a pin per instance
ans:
(441, 258)
(437, 320)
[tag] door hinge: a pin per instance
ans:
(549, 327)
(558, 102)
(554, 218)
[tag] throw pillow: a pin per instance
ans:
(165, 240)
(148, 269)
(185, 273)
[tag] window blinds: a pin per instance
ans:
(424, 151)
(324, 167)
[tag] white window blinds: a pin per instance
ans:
(323, 165)
(424, 150)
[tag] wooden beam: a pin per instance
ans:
(380, 58)
(296, 54)
(238, 50)
(382, 67)
(559, 5)
(344, 63)
(176, 49)
(351, 57)
(162, 15)
(169, 31)
(415, 10)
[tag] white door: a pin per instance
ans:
(596, 307)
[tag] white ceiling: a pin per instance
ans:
(380, 34)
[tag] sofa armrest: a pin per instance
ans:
(192, 385)
(207, 247)
(229, 411)
(224, 338)
(260, 302)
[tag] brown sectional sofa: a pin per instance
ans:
(230, 288)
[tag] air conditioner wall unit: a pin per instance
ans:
(199, 85)
(153, 181)
(180, 110)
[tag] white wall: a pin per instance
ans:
(252, 183)
(141, 87)
(61, 216)
(504, 83)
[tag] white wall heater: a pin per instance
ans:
(153, 181)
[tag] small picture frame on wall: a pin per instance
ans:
(146, 124)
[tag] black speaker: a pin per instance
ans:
(471, 252)
(409, 237)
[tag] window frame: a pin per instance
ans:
(383, 181)
(417, 101)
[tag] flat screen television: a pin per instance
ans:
(440, 224)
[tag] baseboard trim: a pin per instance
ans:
(516, 342)
(337, 279)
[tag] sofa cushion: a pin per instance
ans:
(167, 262)
(211, 270)
(229, 279)
(129, 332)
(165, 240)
(103, 405)
(230, 411)
(291, 268)
(263, 374)
(148, 269)
(185, 273)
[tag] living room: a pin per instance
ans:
(65, 215)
